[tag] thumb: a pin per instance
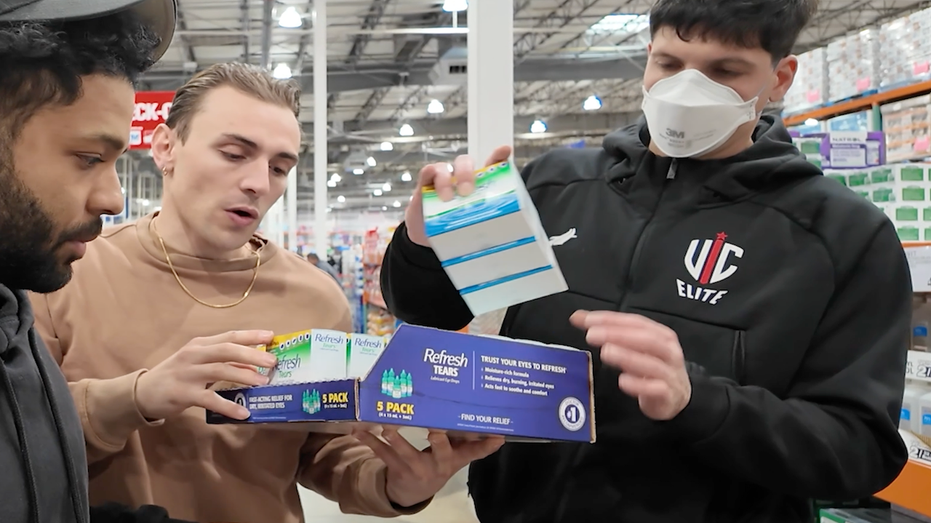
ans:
(501, 154)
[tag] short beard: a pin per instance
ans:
(28, 243)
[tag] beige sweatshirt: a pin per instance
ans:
(124, 311)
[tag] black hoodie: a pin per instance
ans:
(43, 466)
(791, 298)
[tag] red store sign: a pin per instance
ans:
(151, 109)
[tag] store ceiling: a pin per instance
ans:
(383, 56)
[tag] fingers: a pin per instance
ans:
(232, 353)
(214, 372)
(642, 387)
(464, 175)
(442, 449)
(245, 337)
(468, 451)
(636, 363)
(210, 400)
(381, 449)
(438, 176)
(655, 341)
(501, 154)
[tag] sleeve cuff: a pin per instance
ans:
(373, 482)
(109, 411)
(414, 254)
(705, 413)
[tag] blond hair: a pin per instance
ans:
(248, 79)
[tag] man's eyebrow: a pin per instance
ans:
(733, 61)
(110, 141)
(252, 145)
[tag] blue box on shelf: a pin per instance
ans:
(435, 379)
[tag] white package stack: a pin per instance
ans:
(491, 243)
(810, 87)
(905, 49)
(853, 65)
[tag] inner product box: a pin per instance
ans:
(491, 243)
(429, 379)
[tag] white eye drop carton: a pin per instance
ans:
(364, 351)
(311, 355)
(491, 243)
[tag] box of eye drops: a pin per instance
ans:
(311, 355)
(491, 243)
(364, 351)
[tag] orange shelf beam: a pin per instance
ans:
(857, 104)
(912, 489)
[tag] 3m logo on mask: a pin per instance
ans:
(672, 133)
(708, 262)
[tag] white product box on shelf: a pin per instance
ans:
(853, 64)
(810, 87)
(491, 243)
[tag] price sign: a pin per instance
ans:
(918, 366)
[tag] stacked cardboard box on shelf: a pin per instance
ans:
(853, 64)
(810, 87)
(843, 149)
(902, 191)
(905, 50)
(907, 125)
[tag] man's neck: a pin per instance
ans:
(180, 238)
(735, 146)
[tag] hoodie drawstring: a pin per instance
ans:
(23, 444)
(59, 427)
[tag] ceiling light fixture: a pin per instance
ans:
(455, 6)
(370, 161)
(435, 107)
(406, 130)
(341, 199)
(538, 127)
(331, 184)
(282, 72)
(358, 172)
(406, 177)
(336, 178)
(387, 146)
(396, 204)
(377, 192)
(290, 18)
(592, 103)
(386, 187)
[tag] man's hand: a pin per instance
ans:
(415, 476)
(647, 353)
(447, 184)
(182, 381)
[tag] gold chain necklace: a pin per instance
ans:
(255, 275)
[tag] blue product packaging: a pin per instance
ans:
(435, 379)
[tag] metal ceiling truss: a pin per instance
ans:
(567, 12)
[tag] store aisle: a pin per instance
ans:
(452, 505)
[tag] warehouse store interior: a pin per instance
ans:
(392, 85)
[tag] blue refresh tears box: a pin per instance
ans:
(435, 379)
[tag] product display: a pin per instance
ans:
(853, 63)
(907, 125)
(491, 243)
(810, 87)
(435, 379)
(904, 50)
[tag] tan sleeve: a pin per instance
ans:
(342, 469)
(107, 407)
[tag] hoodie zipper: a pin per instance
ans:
(628, 280)
(671, 173)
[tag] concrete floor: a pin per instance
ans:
(451, 505)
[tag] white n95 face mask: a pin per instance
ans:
(689, 114)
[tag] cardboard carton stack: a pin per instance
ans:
(810, 87)
(905, 50)
(907, 125)
(902, 191)
(853, 65)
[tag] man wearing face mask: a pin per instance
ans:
(749, 317)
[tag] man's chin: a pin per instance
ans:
(42, 281)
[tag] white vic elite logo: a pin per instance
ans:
(563, 238)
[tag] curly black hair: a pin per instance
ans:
(43, 63)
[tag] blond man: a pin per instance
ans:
(161, 308)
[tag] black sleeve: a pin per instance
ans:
(416, 288)
(116, 513)
(834, 435)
